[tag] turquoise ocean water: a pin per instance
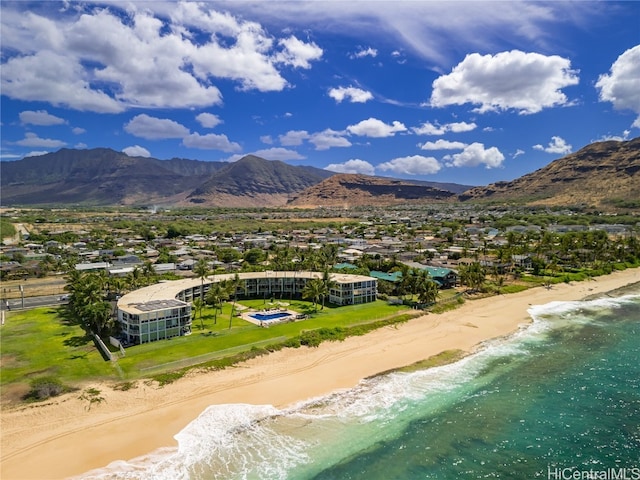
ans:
(560, 396)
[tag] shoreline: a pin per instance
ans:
(64, 438)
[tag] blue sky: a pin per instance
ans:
(465, 92)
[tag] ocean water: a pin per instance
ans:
(560, 396)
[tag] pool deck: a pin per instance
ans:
(291, 316)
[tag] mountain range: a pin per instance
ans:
(600, 174)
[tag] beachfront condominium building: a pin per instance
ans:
(164, 310)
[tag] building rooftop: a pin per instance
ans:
(169, 290)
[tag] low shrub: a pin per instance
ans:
(44, 388)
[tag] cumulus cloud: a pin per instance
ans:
(210, 141)
(429, 128)
(621, 86)
(413, 165)
(364, 52)
(55, 78)
(278, 153)
(266, 139)
(442, 145)
(139, 59)
(372, 127)
(556, 145)
(153, 128)
(208, 120)
(352, 166)
(353, 94)
(78, 130)
(40, 117)
(329, 138)
(518, 153)
(32, 140)
(136, 151)
(298, 53)
(526, 82)
(474, 155)
(293, 138)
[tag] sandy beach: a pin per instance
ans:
(63, 438)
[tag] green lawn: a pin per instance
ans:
(39, 343)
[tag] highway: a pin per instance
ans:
(32, 302)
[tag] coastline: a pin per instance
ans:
(64, 438)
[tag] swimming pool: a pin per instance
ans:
(265, 317)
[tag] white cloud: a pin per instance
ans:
(616, 138)
(418, 26)
(293, 138)
(80, 146)
(136, 151)
(211, 141)
(372, 127)
(364, 52)
(36, 153)
(278, 153)
(352, 166)
(518, 153)
(474, 155)
(153, 128)
(556, 145)
(429, 128)
(442, 145)
(413, 165)
(621, 86)
(298, 53)
(137, 59)
(208, 120)
(526, 82)
(40, 117)
(353, 94)
(78, 130)
(266, 139)
(32, 140)
(329, 138)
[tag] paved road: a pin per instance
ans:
(32, 302)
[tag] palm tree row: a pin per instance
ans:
(87, 302)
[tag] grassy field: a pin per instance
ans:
(39, 343)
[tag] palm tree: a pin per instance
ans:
(327, 284)
(313, 290)
(148, 272)
(215, 296)
(473, 275)
(426, 288)
(408, 280)
(202, 271)
(234, 285)
(97, 316)
(198, 303)
(134, 278)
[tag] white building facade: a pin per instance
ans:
(164, 310)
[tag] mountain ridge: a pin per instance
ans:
(601, 174)
(595, 175)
